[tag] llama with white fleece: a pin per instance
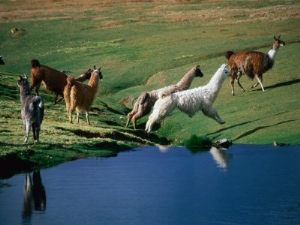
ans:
(190, 101)
(146, 100)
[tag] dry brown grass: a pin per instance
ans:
(168, 10)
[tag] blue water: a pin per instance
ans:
(242, 185)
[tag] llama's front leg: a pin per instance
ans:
(149, 124)
(36, 85)
(87, 117)
(259, 81)
(238, 82)
(58, 99)
(212, 113)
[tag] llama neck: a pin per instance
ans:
(214, 85)
(186, 81)
(24, 92)
(272, 52)
(93, 82)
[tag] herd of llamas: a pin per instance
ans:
(161, 102)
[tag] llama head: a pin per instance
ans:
(1, 60)
(198, 72)
(277, 42)
(23, 82)
(98, 71)
(35, 63)
(224, 70)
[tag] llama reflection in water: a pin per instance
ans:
(219, 154)
(34, 195)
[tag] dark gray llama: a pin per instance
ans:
(32, 109)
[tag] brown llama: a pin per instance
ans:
(251, 63)
(146, 100)
(53, 80)
(81, 96)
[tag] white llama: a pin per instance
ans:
(190, 101)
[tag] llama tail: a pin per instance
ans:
(228, 54)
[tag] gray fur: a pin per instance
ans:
(32, 110)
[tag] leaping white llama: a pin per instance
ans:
(190, 101)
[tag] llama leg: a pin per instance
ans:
(149, 124)
(78, 114)
(36, 87)
(132, 113)
(232, 85)
(55, 98)
(259, 81)
(37, 130)
(58, 100)
(212, 113)
(27, 130)
(136, 117)
(129, 116)
(87, 117)
(70, 114)
(34, 131)
(238, 82)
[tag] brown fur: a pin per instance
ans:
(251, 63)
(53, 80)
(81, 96)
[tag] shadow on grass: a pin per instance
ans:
(260, 128)
(282, 84)
(287, 83)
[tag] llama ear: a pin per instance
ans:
(21, 78)
(278, 37)
(94, 67)
(25, 76)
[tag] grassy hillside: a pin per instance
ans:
(141, 46)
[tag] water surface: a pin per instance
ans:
(242, 185)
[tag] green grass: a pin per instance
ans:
(140, 47)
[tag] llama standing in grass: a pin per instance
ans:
(146, 100)
(53, 80)
(81, 96)
(190, 101)
(32, 110)
(252, 63)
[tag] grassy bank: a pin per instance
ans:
(143, 46)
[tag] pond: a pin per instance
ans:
(150, 185)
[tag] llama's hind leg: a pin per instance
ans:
(70, 112)
(212, 113)
(129, 117)
(27, 130)
(87, 117)
(36, 131)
